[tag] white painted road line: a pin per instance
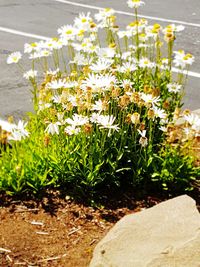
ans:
(189, 73)
(129, 14)
(26, 34)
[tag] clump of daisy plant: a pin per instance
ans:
(105, 109)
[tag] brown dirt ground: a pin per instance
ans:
(57, 231)
(53, 231)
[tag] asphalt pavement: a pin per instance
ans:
(23, 21)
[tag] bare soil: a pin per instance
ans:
(56, 231)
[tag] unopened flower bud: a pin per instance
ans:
(166, 104)
(88, 128)
(151, 114)
(142, 126)
(46, 140)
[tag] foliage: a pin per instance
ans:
(106, 115)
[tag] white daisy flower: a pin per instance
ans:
(193, 120)
(95, 117)
(86, 46)
(18, 132)
(57, 84)
(53, 72)
(77, 120)
(30, 48)
(146, 63)
(80, 60)
(174, 87)
(151, 32)
(35, 55)
(149, 99)
(159, 113)
(73, 100)
(106, 52)
(6, 126)
(14, 57)
(53, 128)
(173, 28)
(122, 34)
(107, 122)
(68, 32)
(182, 59)
(103, 17)
(72, 130)
(101, 64)
(98, 82)
(83, 21)
(126, 83)
(45, 53)
(31, 74)
(163, 128)
(135, 3)
(57, 99)
(127, 67)
(98, 105)
(43, 105)
(54, 43)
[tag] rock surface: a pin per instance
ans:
(166, 235)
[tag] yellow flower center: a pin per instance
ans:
(156, 26)
(34, 45)
(68, 32)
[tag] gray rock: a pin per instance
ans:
(197, 111)
(166, 235)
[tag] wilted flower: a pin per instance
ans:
(143, 141)
(135, 118)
